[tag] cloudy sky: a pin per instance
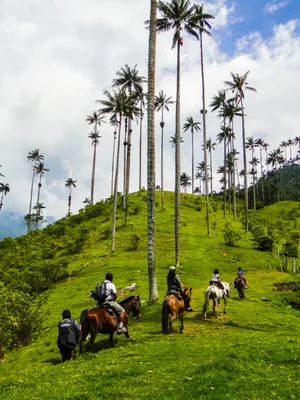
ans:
(58, 56)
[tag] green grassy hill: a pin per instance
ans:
(252, 352)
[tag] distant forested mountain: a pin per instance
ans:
(12, 224)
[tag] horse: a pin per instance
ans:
(172, 305)
(240, 286)
(97, 320)
(216, 294)
(132, 304)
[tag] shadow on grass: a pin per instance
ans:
(53, 361)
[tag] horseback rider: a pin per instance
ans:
(68, 335)
(215, 280)
(109, 302)
(240, 275)
(175, 287)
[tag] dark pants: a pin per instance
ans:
(66, 353)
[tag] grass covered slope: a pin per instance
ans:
(252, 352)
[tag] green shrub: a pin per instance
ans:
(134, 243)
(290, 249)
(20, 319)
(231, 237)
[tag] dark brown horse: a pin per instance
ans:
(240, 286)
(175, 307)
(132, 304)
(97, 320)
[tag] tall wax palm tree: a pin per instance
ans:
(116, 103)
(260, 142)
(210, 147)
(284, 145)
(193, 126)
(70, 183)
(128, 79)
(290, 143)
(265, 147)
(275, 157)
(185, 181)
(173, 141)
(97, 120)
(0, 173)
(153, 292)
(4, 189)
(254, 163)
(218, 103)
(297, 142)
(114, 123)
(34, 156)
(223, 136)
(177, 16)
(141, 97)
(39, 169)
(238, 85)
(161, 103)
(201, 20)
(87, 201)
(201, 169)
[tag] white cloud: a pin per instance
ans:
(274, 6)
(57, 59)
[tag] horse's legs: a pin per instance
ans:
(204, 309)
(225, 303)
(214, 307)
(111, 339)
(181, 322)
(171, 320)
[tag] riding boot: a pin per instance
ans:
(121, 328)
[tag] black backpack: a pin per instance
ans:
(99, 293)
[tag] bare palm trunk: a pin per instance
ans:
(225, 178)
(69, 201)
(261, 176)
(193, 161)
(162, 124)
(177, 162)
(233, 174)
(125, 164)
(114, 213)
(211, 171)
(140, 148)
(93, 174)
(153, 293)
(128, 171)
(31, 192)
(245, 168)
(204, 135)
(113, 164)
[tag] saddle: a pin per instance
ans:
(107, 309)
(175, 293)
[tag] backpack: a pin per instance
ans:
(99, 293)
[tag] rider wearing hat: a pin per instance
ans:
(175, 286)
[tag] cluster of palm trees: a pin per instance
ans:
(4, 189)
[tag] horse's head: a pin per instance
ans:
(188, 296)
(227, 287)
(136, 307)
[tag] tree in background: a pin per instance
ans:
(185, 181)
(161, 103)
(70, 183)
(238, 85)
(97, 120)
(35, 157)
(39, 169)
(193, 126)
(177, 15)
(153, 292)
(4, 189)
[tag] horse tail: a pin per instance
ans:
(165, 317)
(84, 327)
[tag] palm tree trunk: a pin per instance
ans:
(153, 293)
(162, 124)
(233, 175)
(39, 191)
(140, 148)
(245, 168)
(114, 213)
(93, 174)
(261, 176)
(177, 162)
(125, 164)
(112, 165)
(31, 192)
(128, 171)
(211, 171)
(225, 180)
(193, 162)
(204, 134)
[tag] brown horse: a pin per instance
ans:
(97, 320)
(172, 305)
(240, 286)
(132, 304)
